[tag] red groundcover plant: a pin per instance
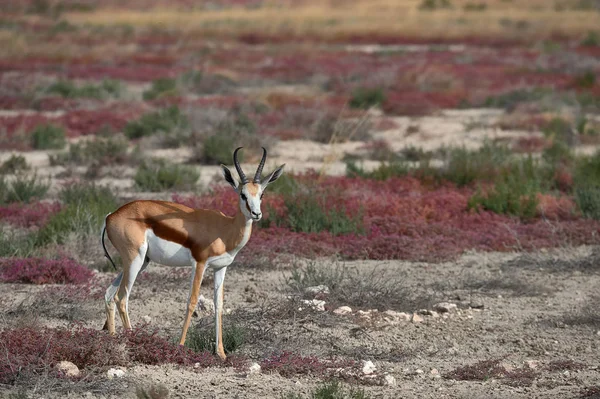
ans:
(34, 350)
(404, 218)
(43, 271)
(28, 215)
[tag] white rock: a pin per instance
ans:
(67, 368)
(532, 364)
(316, 304)
(147, 319)
(317, 289)
(115, 373)
(368, 367)
(364, 314)
(397, 315)
(416, 318)
(343, 310)
(445, 307)
(419, 371)
(389, 380)
(254, 368)
(206, 304)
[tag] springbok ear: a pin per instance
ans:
(272, 177)
(229, 177)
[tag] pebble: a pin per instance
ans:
(316, 304)
(254, 368)
(476, 305)
(368, 367)
(343, 310)
(445, 307)
(67, 368)
(147, 319)
(532, 364)
(416, 318)
(115, 373)
(317, 289)
(389, 380)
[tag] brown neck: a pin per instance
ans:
(238, 229)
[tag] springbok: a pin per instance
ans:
(176, 235)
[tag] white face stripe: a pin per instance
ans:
(253, 202)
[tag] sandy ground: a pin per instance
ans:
(540, 308)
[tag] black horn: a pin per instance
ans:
(243, 178)
(261, 165)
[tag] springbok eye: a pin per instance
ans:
(243, 197)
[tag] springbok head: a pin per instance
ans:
(251, 193)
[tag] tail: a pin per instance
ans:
(104, 246)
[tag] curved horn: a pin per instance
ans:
(243, 178)
(261, 165)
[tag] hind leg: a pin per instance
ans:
(109, 302)
(137, 264)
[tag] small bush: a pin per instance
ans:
(102, 151)
(586, 80)
(161, 87)
(86, 206)
(592, 39)
(43, 271)
(307, 214)
(366, 98)
(14, 164)
(48, 137)
(68, 89)
(22, 189)
(429, 5)
(588, 201)
(289, 364)
(217, 149)
(165, 120)
(160, 175)
(203, 339)
(16, 245)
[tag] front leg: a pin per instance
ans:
(218, 299)
(197, 274)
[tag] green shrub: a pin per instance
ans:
(165, 120)
(48, 137)
(592, 39)
(12, 244)
(587, 171)
(364, 97)
(22, 189)
(385, 171)
(203, 339)
(14, 164)
(588, 201)
(514, 191)
(306, 214)
(463, 167)
(234, 131)
(586, 80)
(429, 5)
(68, 89)
(161, 87)
(86, 207)
(160, 175)
(105, 151)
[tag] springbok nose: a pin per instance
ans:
(255, 214)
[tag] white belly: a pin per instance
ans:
(166, 252)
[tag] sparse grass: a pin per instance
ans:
(385, 171)
(68, 89)
(14, 164)
(100, 151)
(377, 289)
(160, 88)
(587, 315)
(13, 244)
(331, 390)
(48, 137)
(202, 339)
(429, 5)
(166, 120)
(152, 391)
(22, 189)
(86, 206)
(160, 175)
(586, 80)
(333, 129)
(592, 39)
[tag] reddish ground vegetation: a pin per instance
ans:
(34, 350)
(43, 271)
(288, 364)
(28, 215)
(405, 219)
